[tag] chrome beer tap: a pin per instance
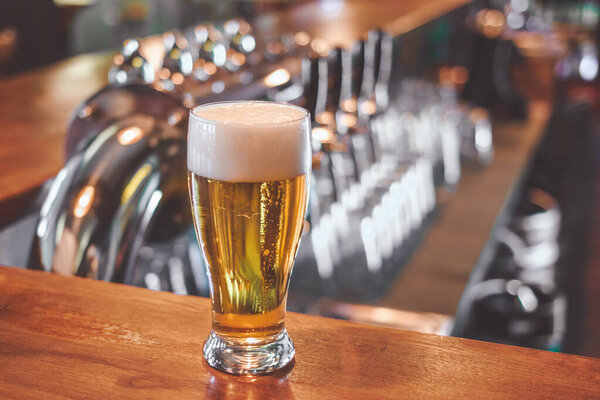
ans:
(177, 63)
(130, 66)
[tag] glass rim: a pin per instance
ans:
(196, 117)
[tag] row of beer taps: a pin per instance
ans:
(383, 145)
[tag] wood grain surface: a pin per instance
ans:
(35, 109)
(67, 337)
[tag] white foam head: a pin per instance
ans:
(249, 141)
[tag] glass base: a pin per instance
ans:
(248, 359)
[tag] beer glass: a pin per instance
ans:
(248, 171)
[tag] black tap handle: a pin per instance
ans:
(357, 67)
(310, 84)
(334, 79)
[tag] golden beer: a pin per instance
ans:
(249, 165)
(249, 233)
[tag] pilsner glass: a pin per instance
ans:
(248, 172)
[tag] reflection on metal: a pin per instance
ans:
(103, 205)
(325, 118)
(84, 201)
(368, 107)
(130, 66)
(113, 103)
(490, 22)
(349, 105)
(277, 78)
(134, 183)
(348, 120)
(323, 135)
(130, 135)
(520, 302)
(302, 38)
(319, 46)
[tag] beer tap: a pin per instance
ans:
(324, 189)
(177, 62)
(206, 43)
(130, 66)
(328, 100)
(240, 43)
(349, 119)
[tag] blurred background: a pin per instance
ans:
(456, 151)
(65, 28)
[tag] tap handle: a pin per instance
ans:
(384, 71)
(130, 66)
(310, 84)
(177, 61)
(372, 62)
(357, 65)
(333, 75)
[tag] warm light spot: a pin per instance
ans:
(493, 18)
(348, 120)
(277, 77)
(174, 54)
(302, 38)
(84, 201)
(85, 112)
(319, 46)
(199, 63)
(238, 59)
(177, 78)
(323, 135)
(325, 118)
(91, 256)
(73, 3)
(339, 146)
(306, 228)
(490, 22)
(478, 114)
(134, 182)
(130, 135)
(188, 102)
(175, 118)
(118, 59)
(316, 160)
(210, 68)
(458, 75)
(244, 27)
(348, 105)
(444, 75)
(542, 199)
(137, 62)
(164, 73)
(368, 107)
(275, 47)
(152, 49)
(181, 42)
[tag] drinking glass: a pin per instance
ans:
(248, 174)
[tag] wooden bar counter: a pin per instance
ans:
(66, 337)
